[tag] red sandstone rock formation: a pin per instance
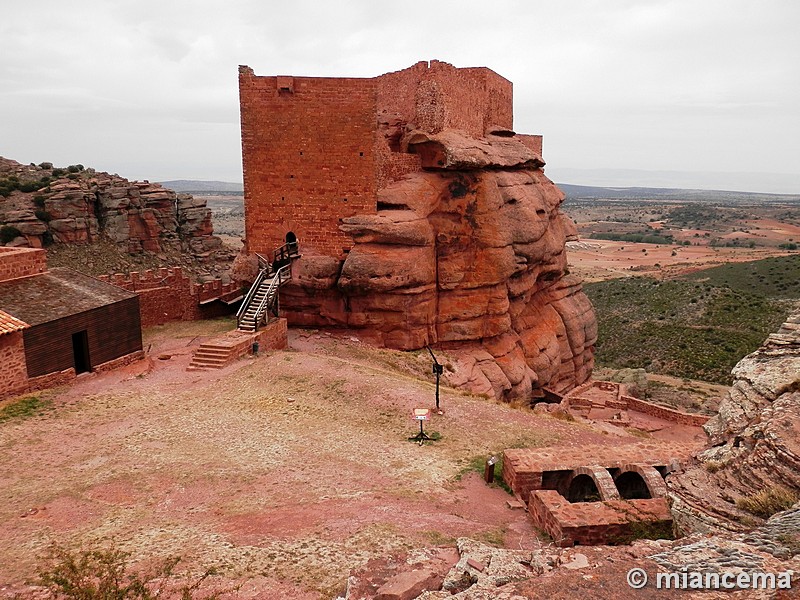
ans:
(755, 440)
(422, 219)
(82, 206)
(469, 255)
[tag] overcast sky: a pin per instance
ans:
(628, 92)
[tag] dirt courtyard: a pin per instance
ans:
(286, 470)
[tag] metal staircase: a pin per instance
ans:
(263, 298)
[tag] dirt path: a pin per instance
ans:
(288, 469)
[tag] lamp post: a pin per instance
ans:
(437, 370)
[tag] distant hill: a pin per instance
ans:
(191, 185)
(573, 192)
(586, 192)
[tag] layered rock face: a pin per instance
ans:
(469, 254)
(755, 440)
(79, 207)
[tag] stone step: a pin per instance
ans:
(204, 364)
(219, 350)
(209, 360)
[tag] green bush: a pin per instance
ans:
(8, 233)
(106, 575)
(31, 186)
(43, 215)
(8, 185)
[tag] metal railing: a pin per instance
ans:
(262, 274)
(279, 269)
(281, 276)
(285, 253)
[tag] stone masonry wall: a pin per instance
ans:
(308, 158)
(168, 295)
(662, 412)
(21, 262)
(14, 374)
(437, 96)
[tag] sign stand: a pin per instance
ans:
(421, 415)
(437, 370)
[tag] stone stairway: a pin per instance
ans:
(213, 355)
(250, 316)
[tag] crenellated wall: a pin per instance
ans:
(169, 295)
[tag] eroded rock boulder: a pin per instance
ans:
(754, 458)
(468, 254)
(81, 206)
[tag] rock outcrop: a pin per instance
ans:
(755, 443)
(79, 206)
(468, 254)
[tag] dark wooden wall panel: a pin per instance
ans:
(113, 330)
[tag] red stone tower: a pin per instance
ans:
(317, 149)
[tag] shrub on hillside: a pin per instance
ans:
(107, 575)
(8, 233)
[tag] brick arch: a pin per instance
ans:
(582, 476)
(629, 477)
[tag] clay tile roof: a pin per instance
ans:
(10, 324)
(56, 294)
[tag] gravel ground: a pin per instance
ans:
(287, 470)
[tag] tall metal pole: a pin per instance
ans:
(437, 370)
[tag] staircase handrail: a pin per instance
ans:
(263, 263)
(276, 282)
(248, 298)
(288, 250)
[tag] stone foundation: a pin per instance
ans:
(13, 374)
(528, 469)
(607, 394)
(599, 523)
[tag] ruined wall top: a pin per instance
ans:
(21, 262)
(435, 96)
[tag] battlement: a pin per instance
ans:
(167, 294)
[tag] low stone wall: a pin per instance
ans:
(51, 380)
(21, 262)
(274, 336)
(58, 378)
(662, 412)
(579, 400)
(168, 295)
(598, 523)
(122, 361)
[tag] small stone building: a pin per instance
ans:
(59, 323)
